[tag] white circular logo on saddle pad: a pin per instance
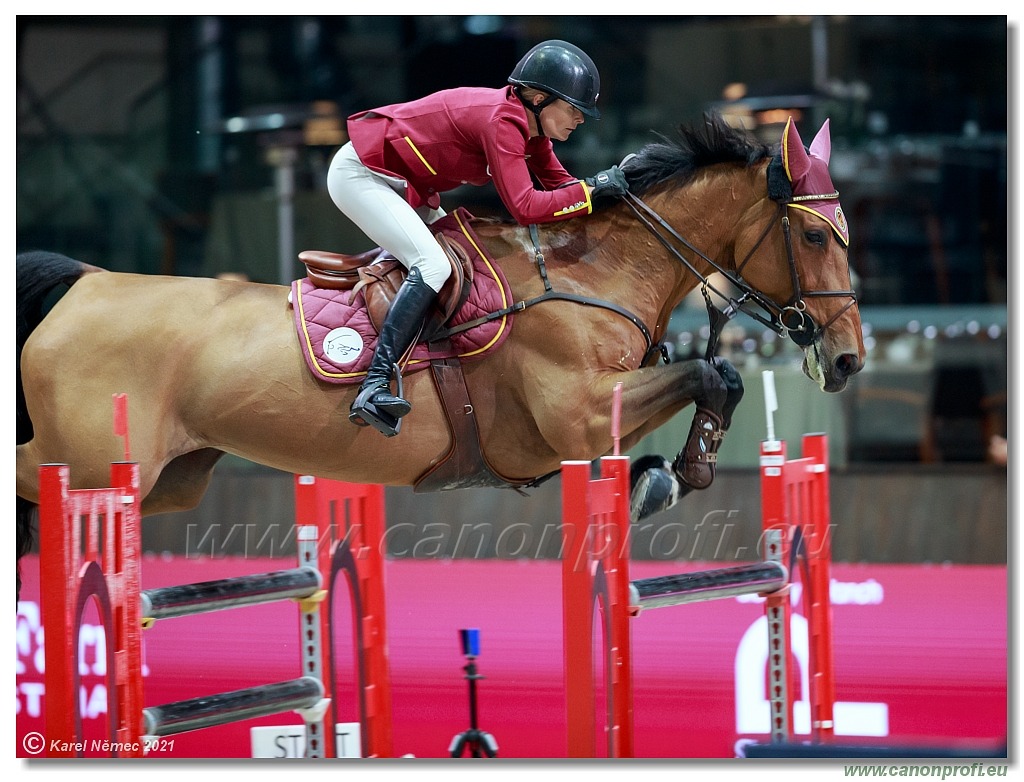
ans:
(343, 346)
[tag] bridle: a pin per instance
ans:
(790, 319)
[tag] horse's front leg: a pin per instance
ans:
(695, 463)
(716, 389)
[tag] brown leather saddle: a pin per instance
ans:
(379, 275)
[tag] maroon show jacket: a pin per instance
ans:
(468, 135)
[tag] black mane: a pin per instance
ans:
(675, 161)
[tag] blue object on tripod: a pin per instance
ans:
(470, 642)
(479, 743)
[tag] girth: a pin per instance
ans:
(464, 466)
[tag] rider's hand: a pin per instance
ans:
(611, 182)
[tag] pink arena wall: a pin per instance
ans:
(920, 657)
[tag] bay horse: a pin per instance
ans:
(213, 366)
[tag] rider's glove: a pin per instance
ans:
(611, 182)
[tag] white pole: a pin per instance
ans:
(771, 402)
(283, 159)
(616, 415)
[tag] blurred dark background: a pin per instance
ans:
(140, 138)
(199, 145)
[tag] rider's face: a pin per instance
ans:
(559, 119)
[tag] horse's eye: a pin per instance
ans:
(815, 237)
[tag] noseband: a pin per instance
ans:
(790, 319)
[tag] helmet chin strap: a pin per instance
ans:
(536, 108)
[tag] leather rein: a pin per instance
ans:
(550, 294)
(790, 319)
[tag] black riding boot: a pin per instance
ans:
(375, 404)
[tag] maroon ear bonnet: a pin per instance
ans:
(808, 174)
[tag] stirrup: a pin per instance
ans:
(695, 464)
(366, 413)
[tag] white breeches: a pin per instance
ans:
(377, 205)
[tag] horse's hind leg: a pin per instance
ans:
(24, 520)
(179, 486)
(30, 455)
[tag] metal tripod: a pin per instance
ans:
(480, 743)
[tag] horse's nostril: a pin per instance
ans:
(848, 364)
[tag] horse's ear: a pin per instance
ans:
(821, 147)
(794, 156)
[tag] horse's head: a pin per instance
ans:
(801, 270)
(784, 250)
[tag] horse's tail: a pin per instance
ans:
(40, 274)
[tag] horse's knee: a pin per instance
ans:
(713, 391)
(720, 387)
(733, 384)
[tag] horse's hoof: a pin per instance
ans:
(654, 487)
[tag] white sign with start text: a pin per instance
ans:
(289, 741)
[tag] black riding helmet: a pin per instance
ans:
(564, 71)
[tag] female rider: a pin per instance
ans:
(388, 179)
